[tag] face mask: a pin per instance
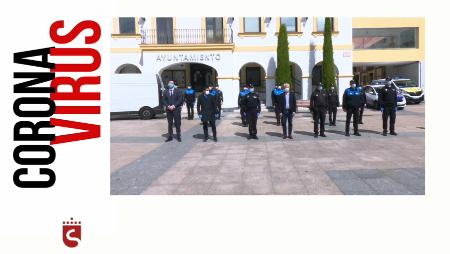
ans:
(170, 86)
(353, 85)
(320, 88)
(286, 90)
(189, 87)
(245, 88)
(206, 92)
(252, 90)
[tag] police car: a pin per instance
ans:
(411, 90)
(374, 89)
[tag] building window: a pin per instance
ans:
(321, 24)
(128, 69)
(252, 25)
(385, 38)
(290, 23)
(127, 25)
(164, 30)
(214, 30)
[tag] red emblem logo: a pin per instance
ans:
(71, 233)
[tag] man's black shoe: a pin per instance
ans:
(323, 135)
(316, 135)
(255, 137)
(347, 134)
(290, 137)
(393, 133)
(169, 139)
(284, 136)
(179, 139)
(361, 122)
(384, 133)
(215, 139)
(357, 134)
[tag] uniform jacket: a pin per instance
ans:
(333, 99)
(241, 97)
(352, 98)
(388, 96)
(189, 96)
(318, 100)
(251, 102)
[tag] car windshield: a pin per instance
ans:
(405, 83)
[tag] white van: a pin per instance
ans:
(133, 95)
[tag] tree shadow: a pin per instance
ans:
(305, 133)
(275, 134)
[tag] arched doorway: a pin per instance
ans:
(297, 81)
(197, 75)
(128, 69)
(317, 75)
(254, 74)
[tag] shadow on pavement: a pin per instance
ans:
(240, 134)
(267, 122)
(275, 134)
(305, 133)
(238, 124)
(336, 132)
(370, 131)
(198, 136)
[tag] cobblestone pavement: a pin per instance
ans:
(142, 163)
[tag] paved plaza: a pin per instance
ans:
(142, 163)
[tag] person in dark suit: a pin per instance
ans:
(189, 98)
(173, 102)
(208, 111)
(288, 107)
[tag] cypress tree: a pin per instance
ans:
(329, 73)
(283, 71)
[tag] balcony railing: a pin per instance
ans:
(186, 36)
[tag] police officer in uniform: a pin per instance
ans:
(189, 98)
(173, 102)
(208, 111)
(252, 108)
(319, 105)
(388, 105)
(351, 104)
(364, 102)
(333, 103)
(241, 97)
(276, 95)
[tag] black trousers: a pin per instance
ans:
(319, 116)
(243, 117)
(391, 113)
(212, 123)
(332, 111)
(190, 109)
(352, 112)
(252, 117)
(361, 112)
(174, 117)
(278, 114)
(287, 119)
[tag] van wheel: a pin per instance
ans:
(146, 113)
